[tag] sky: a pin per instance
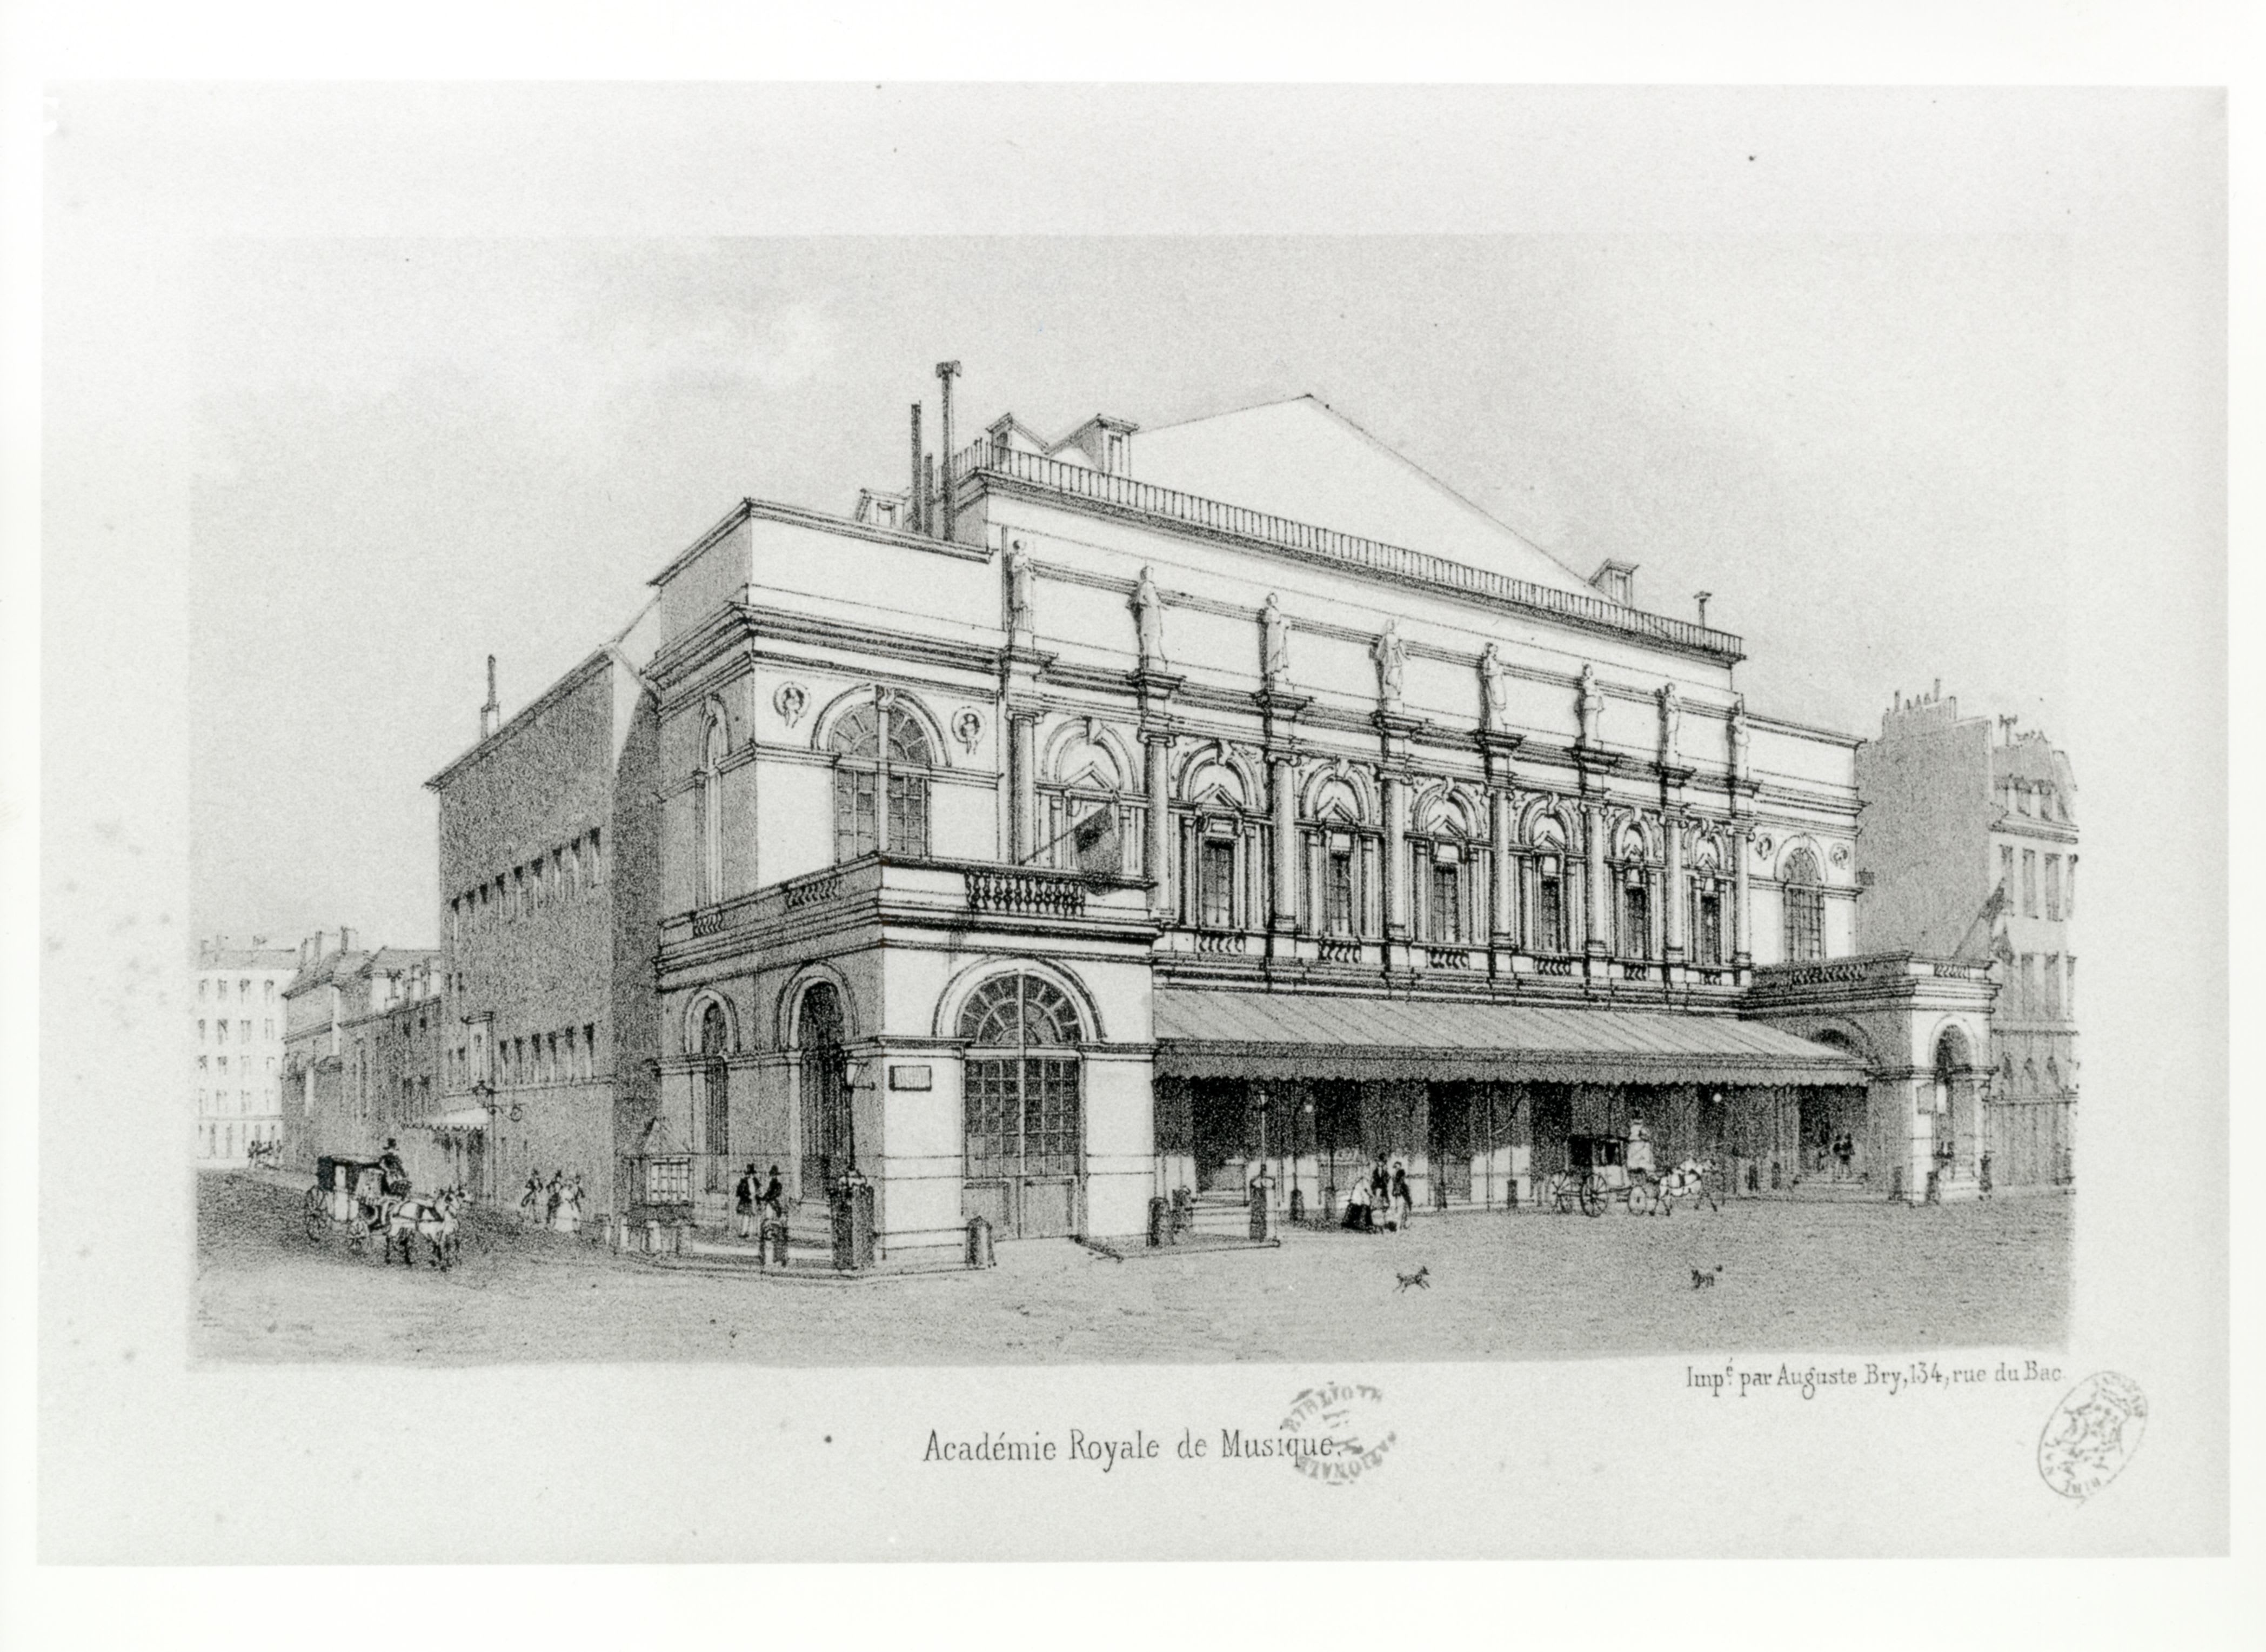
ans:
(413, 452)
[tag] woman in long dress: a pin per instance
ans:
(569, 1217)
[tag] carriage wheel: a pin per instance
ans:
(1564, 1195)
(1593, 1199)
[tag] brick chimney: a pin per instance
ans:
(491, 714)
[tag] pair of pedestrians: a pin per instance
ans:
(756, 1203)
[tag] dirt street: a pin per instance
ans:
(1793, 1278)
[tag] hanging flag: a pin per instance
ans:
(1094, 841)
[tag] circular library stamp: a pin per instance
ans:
(1338, 1432)
(2092, 1434)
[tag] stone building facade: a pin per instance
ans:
(238, 1008)
(1057, 837)
(359, 1036)
(1969, 850)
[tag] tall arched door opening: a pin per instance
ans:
(1957, 1137)
(1023, 1109)
(714, 1077)
(829, 1142)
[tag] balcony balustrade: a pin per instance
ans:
(1031, 471)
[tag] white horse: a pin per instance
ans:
(432, 1219)
(1687, 1180)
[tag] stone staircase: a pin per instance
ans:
(1223, 1215)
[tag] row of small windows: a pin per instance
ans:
(219, 1030)
(225, 1141)
(211, 1101)
(215, 987)
(2060, 883)
(1224, 884)
(553, 1057)
(242, 1063)
(2030, 1075)
(2044, 986)
(883, 760)
(567, 873)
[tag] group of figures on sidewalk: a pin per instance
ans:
(1384, 1190)
(556, 1204)
(756, 1203)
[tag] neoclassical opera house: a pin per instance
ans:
(1157, 808)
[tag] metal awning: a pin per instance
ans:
(458, 1119)
(1230, 1034)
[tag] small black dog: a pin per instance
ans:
(1704, 1279)
(1421, 1279)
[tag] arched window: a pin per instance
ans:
(1341, 859)
(1022, 1107)
(1804, 894)
(1447, 863)
(882, 759)
(715, 748)
(1089, 823)
(829, 1143)
(714, 1077)
(1633, 877)
(1707, 905)
(1546, 906)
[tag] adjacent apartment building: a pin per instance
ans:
(238, 1011)
(351, 1025)
(1970, 848)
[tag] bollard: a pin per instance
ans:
(1932, 1196)
(1157, 1220)
(1510, 1205)
(979, 1241)
(1297, 1204)
(853, 1223)
(1258, 1212)
(1775, 1169)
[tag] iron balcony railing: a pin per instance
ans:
(984, 458)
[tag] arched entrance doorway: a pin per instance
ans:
(828, 1145)
(714, 1077)
(1023, 1108)
(1953, 1110)
(1835, 1144)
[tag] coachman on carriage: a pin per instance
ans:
(372, 1198)
(1602, 1170)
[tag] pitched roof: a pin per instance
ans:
(331, 967)
(1302, 459)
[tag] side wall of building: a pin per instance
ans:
(1922, 840)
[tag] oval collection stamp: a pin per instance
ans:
(2092, 1434)
(1337, 1433)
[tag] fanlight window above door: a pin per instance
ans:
(1018, 1011)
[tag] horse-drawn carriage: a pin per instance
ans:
(350, 1194)
(1603, 1170)
(356, 1194)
